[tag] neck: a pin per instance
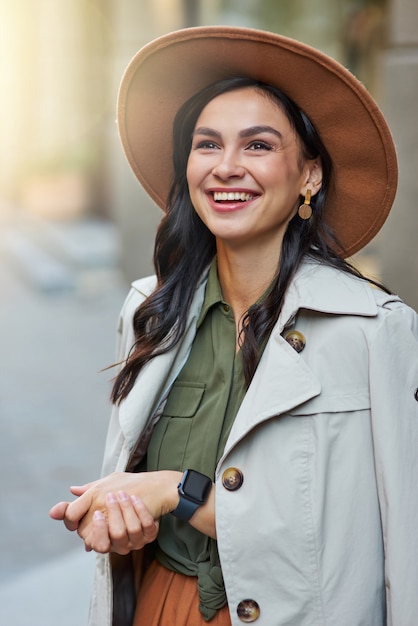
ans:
(244, 277)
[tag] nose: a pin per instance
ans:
(228, 166)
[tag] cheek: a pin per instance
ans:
(193, 175)
(193, 183)
(199, 167)
(189, 170)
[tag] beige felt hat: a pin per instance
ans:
(170, 69)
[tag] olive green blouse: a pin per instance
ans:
(192, 433)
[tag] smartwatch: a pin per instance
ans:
(194, 489)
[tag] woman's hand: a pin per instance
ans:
(156, 490)
(129, 526)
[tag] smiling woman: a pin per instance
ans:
(258, 370)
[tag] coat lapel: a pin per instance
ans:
(282, 381)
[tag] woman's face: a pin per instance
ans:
(246, 170)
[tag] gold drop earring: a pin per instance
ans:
(305, 209)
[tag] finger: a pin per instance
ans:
(105, 482)
(98, 538)
(57, 512)
(131, 518)
(79, 508)
(150, 527)
(78, 490)
(70, 525)
(117, 529)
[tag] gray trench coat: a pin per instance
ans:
(323, 529)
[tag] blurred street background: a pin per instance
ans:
(76, 229)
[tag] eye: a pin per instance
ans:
(205, 144)
(259, 145)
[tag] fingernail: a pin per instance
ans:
(123, 497)
(135, 499)
(110, 498)
(98, 515)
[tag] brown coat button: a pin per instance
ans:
(295, 339)
(232, 478)
(248, 611)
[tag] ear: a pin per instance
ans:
(313, 178)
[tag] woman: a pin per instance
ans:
(261, 458)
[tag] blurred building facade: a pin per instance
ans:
(397, 242)
(60, 155)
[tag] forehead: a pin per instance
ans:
(247, 103)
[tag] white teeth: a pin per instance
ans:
(220, 196)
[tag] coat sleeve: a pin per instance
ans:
(114, 458)
(394, 410)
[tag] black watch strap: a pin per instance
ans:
(194, 489)
(185, 509)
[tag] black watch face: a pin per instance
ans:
(196, 486)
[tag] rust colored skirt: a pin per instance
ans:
(169, 599)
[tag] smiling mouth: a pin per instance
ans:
(232, 196)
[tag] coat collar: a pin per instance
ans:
(315, 287)
(326, 289)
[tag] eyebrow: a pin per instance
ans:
(246, 132)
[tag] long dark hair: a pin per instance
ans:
(184, 246)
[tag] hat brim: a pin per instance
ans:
(172, 68)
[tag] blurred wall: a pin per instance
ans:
(53, 98)
(134, 24)
(398, 240)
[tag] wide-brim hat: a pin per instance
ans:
(172, 68)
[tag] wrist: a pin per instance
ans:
(171, 479)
